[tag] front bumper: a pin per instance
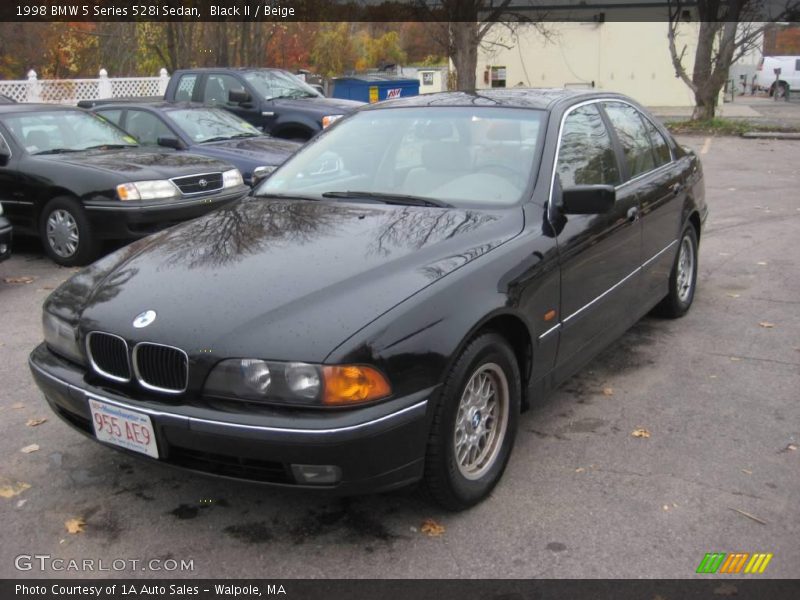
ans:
(133, 219)
(376, 448)
(5, 238)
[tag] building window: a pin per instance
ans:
(427, 78)
(498, 77)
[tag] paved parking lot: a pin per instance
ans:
(718, 391)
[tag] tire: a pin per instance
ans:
(682, 278)
(456, 484)
(66, 234)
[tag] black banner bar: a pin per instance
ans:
(715, 587)
(384, 10)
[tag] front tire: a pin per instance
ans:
(475, 424)
(682, 279)
(66, 234)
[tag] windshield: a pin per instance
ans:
(279, 84)
(460, 156)
(207, 124)
(64, 131)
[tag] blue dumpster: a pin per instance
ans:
(374, 88)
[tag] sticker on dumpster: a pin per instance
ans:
(395, 93)
(373, 94)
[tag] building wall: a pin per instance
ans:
(630, 58)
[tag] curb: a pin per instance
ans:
(771, 135)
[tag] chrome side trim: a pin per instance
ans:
(549, 331)
(659, 253)
(418, 407)
(100, 371)
(155, 388)
(603, 295)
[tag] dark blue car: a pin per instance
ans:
(201, 130)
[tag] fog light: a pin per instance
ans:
(3, 249)
(317, 474)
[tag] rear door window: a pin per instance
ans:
(185, 89)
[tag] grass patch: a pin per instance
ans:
(723, 127)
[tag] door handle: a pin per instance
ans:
(676, 188)
(633, 213)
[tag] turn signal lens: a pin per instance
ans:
(352, 384)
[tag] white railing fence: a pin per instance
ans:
(72, 91)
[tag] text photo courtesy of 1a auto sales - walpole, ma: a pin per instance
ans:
(399, 299)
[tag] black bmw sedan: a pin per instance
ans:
(384, 305)
(73, 179)
(201, 130)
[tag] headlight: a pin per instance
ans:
(147, 190)
(330, 120)
(296, 383)
(1, 208)
(61, 337)
(232, 178)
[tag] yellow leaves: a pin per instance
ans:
(608, 391)
(641, 432)
(9, 488)
(18, 280)
(35, 422)
(30, 448)
(74, 526)
(766, 324)
(432, 528)
(731, 295)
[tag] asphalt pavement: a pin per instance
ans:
(717, 392)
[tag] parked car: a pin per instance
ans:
(5, 236)
(788, 79)
(275, 101)
(386, 302)
(75, 179)
(201, 130)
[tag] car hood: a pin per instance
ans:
(263, 150)
(141, 164)
(279, 279)
(322, 106)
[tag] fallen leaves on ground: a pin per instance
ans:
(9, 488)
(747, 471)
(580, 470)
(791, 447)
(762, 263)
(30, 448)
(640, 433)
(608, 391)
(35, 422)
(735, 358)
(431, 528)
(733, 295)
(17, 405)
(17, 280)
(75, 525)
(766, 324)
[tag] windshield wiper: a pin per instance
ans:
(402, 199)
(243, 135)
(286, 196)
(219, 138)
(110, 146)
(56, 151)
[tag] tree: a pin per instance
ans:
(467, 23)
(333, 51)
(728, 29)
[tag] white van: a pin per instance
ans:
(789, 78)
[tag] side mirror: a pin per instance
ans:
(588, 199)
(4, 156)
(170, 142)
(240, 97)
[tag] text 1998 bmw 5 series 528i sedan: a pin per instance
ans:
(382, 307)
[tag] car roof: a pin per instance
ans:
(218, 69)
(535, 98)
(163, 105)
(22, 107)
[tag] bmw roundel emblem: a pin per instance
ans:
(144, 319)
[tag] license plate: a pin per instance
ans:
(123, 427)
